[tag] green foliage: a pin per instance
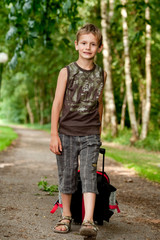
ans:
(32, 83)
(41, 38)
(151, 143)
(122, 138)
(7, 135)
(137, 43)
(14, 93)
(43, 185)
(39, 20)
(146, 164)
(33, 80)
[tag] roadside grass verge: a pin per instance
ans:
(36, 126)
(46, 127)
(151, 143)
(146, 164)
(7, 135)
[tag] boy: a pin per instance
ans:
(76, 127)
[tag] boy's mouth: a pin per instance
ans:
(87, 53)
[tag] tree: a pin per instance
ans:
(128, 78)
(147, 102)
(43, 41)
(34, 27)
(34, 20)
(123, 112)
(3, 49)
(110, 109)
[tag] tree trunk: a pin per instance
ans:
(41, 112)
(111, 9)
(30, 113)
(128, 79)
(36, 100)
(147, 103)
(123, 113)
(110, 109)
(142, 100)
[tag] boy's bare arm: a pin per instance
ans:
(101, 101)
(55, 143)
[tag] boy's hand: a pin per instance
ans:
(55, 145)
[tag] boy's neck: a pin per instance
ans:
(85, 64)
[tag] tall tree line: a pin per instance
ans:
(128, 95)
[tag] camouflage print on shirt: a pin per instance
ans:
(84, 88)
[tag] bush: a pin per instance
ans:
(152, 142)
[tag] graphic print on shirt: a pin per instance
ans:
(84, 88)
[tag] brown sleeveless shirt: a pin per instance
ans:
(80, 115)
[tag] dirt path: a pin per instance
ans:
(24, 210)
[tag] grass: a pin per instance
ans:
(7, 135)
(36, 126)
(146, 164)
(151, 143)
(46, 127)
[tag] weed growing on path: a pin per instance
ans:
(43, 185)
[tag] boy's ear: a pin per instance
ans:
(76, 45)
(100, 48)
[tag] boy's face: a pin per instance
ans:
(87, 46)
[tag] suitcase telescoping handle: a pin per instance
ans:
(102, 151)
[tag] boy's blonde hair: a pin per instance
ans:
(90, 28)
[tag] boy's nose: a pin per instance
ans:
(88, 46)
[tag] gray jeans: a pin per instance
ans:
(87, 147)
